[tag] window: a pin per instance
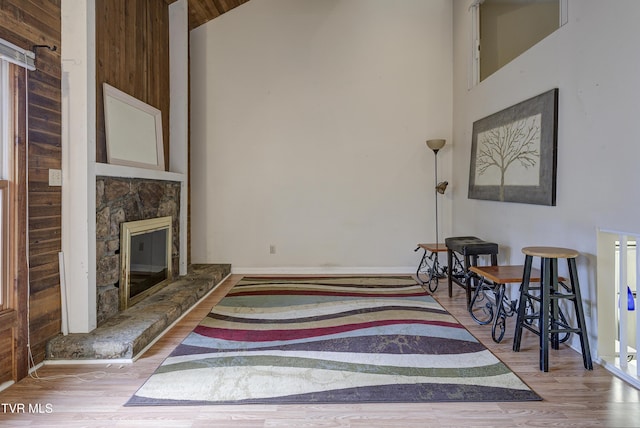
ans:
(11, 58)
(504, 29)
(6, 131)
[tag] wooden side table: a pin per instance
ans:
(498, 307)
(430, 266)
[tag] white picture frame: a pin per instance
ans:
(133, 131)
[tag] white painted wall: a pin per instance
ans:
(309, 121)
(593, 61)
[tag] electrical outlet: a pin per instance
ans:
(272, 249)
(55, 177)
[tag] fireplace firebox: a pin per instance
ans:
(145, 258)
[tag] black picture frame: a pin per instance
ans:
(514, 153)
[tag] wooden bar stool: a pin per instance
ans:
(550, 322)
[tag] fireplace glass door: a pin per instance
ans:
(145, 248)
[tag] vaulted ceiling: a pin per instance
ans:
(201, 11)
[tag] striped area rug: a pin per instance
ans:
(329, 340)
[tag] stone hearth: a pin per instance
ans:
(126, 334)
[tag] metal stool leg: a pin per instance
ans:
(524, 291)
(544, 314)
(421, 264)
(500, 320)
(555, 342)
(450, 271)
(467, 264)
(584, 338)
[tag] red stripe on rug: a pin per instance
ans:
(322, 293)
(271, 335)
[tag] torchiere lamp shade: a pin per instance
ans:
(436, 145)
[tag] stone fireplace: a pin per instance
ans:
(122, 335)
(121, 200)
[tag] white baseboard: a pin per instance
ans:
(626, 374)
(88, 362)
(320, 270)
(36, 367)
(6, 385)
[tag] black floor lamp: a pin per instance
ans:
(440, 187)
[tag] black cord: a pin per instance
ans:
(51, 48)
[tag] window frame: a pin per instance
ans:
(475, 57)
(7, 107)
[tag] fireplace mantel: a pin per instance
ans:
(109, 170)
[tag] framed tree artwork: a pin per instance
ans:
(514, 153)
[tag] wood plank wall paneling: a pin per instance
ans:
(25, 23)
(132, 54)
(6, 354)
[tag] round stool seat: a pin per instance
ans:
(550, 252)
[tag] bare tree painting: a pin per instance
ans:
(514, 153)
(509, 154)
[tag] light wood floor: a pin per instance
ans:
(93, 395)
